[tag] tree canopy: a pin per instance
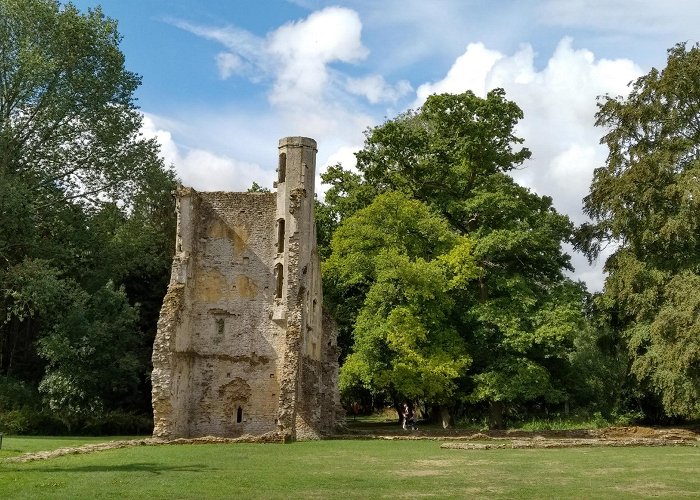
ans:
(646, 201)
(86, 213)
(487, 252)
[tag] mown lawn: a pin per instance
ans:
(353, 469)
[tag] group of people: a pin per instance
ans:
(409, 418)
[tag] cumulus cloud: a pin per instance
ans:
(469, 72)
(559, 104)
(304, 49)
(297, 56)
(376, 89)
(204, 170)
(298, 65)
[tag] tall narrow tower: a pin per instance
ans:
(242, 344)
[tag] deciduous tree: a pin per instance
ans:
(519, 314)
(86, 212)
(646, 201)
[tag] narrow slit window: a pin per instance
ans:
(282, 167)
(280, 235)
(279, 280)
(220, 326)
(239, 415)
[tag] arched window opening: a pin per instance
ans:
(279, 280)
(282, 167)
(280, 235)
(239, 415)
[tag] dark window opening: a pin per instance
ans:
(279, 280)
(220, 326)
(282, 167)
(280, 235)
(239, 415)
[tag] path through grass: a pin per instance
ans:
(356, 469)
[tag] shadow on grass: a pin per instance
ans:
(152, 468)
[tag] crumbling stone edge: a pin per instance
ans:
(567, 443)
(276, 437)
(272, 437)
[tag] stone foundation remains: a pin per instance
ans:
(243, 347)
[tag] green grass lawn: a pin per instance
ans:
(350, 469)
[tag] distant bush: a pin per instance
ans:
(29, 421)
(118, 424)
(13, 422)
(16, 394)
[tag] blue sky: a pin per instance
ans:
(223, 80)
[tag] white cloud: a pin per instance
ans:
(296, 64)
(345, 155)
(304, 49)
(296, 56)
(376, 89)
(204, 170)
(469, 72)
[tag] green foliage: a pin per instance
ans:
(403, 343)
(257, 188)
(514, 380)
(86, 213)
(646, 200)
(440, 259)
(67, 108)
(88, 353)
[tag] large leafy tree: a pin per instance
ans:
(518, 316)
(67, 113)
(397, 254)
(646, 201)
(86, 216)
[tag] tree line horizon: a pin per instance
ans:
(446, 277)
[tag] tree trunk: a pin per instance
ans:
(399, 410)
(496, 415)
(446, 417)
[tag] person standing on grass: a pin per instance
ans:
(408, 418)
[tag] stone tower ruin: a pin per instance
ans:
(243, 347)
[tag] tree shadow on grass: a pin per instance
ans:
(149, 467)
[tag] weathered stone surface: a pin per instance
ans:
(242, 346)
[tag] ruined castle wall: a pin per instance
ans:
(235, 343)
(242, 347)
(226, 347)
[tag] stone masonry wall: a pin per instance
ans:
(241, 346)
